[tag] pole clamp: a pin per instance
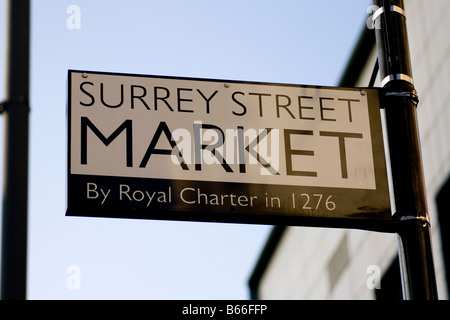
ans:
(422, 221)
(412, 95)
(398, 76)
(4, 105)
(392, 8)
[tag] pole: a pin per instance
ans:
(400, 102)
(15, 184)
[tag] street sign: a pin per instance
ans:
(153, 147)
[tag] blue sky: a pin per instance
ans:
(299, 42)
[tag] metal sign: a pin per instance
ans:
(171, 148)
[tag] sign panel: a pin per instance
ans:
(214, 150)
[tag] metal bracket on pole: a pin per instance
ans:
(421, 220)
(392, 8)
(399, 76)
(3, 106)
(412, 95)
(20, 101)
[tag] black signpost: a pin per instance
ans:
(15, 187)
(400, 102)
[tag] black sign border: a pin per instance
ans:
(377, 218)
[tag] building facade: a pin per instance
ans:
(327, 263)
